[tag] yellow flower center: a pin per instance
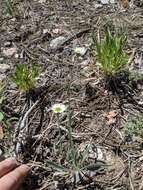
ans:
(58, 110)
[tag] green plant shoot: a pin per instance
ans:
(110, 53)
(26, 78)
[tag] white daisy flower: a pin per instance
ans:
(80, 50)
(58, 108)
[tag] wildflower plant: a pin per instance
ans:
(111, 56)
(77, 160)
(58, 108)
(26, 78)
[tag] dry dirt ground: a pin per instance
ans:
(99, 117)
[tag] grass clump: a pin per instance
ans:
(110, 52)
(26, 78)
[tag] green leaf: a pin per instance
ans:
(86, 153)
(10, 120)
(97, 166)
(1, 116)
(1, 99)
(56, 166)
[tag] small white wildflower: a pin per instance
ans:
(80, 50)
(58, 108)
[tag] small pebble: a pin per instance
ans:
(9, 52)
(1, 59)
(45, 31)
(16, 55)
(7, 44)
(55, 43)
(4, 68)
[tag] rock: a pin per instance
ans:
(140, 102)
(9, 52)
(4, 68)
(7, 44)
(16, 55)
(13, 19)
(56, 31)
(42, 1)
(45, 31)
(104, 2)
(57, 42)
(98, 5)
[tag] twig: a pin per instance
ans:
(130, 174)
(132, 56)
(21, 136)
(27, 114)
